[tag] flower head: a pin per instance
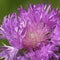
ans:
(32, 32)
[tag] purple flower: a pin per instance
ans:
(56, 34)
(33, 34)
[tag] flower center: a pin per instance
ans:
(35, 34)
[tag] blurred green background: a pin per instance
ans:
(9, 6)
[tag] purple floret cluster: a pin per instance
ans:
(33, 34)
